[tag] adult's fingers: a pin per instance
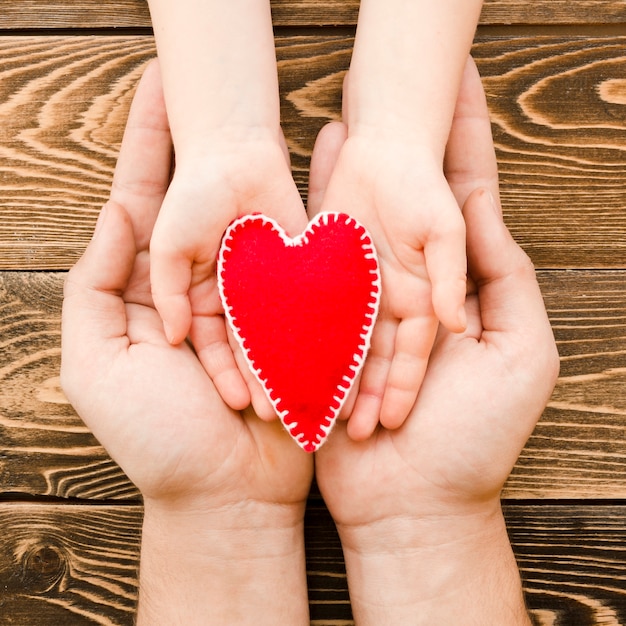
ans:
(94, 313)
(323, 160)
(512, 310)
(470, 160)
(510, 299)
(144, 165)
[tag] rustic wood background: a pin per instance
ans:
(555, 75)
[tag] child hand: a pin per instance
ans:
(401, 195)
(232, 178)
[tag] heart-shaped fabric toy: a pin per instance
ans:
(302, 310)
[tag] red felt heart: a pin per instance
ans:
(302, 310)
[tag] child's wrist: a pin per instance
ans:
(395, 130)
(212, 146)
(202, 143)
(426, 528)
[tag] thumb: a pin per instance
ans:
(93, 308)
(509, 295)
(323, 160)
(106, 264)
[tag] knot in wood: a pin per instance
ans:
(44, 567)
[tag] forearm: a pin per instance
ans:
(219, 67)
(444, 573)
(203, 570)
(407, 65)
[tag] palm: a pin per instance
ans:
(455, 448)
(483, 390)
(178, 435)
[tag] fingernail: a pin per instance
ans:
(169, 335)
(462, 318)
(494, 204)
(100, 221)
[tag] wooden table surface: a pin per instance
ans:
(555, 76)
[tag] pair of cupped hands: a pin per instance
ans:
(153, 407)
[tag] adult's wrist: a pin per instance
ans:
(432, 570)
(240, 563)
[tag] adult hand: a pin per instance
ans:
(224, 492)
(418, 508)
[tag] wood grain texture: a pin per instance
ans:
(68, 564)
(57, 14)
(83, 14)
(579, 445)
(555, 75)
(557, 105)
(45, 449)
(573, 562)
(577, 450)
(77, 564)
(63, 106)
(553, 12)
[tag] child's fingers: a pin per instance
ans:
(170, 278)
(258, 398)
(414, 340)
(350, 401)
(446, 264)
(210, 341)
(366, 412)
(364, 418)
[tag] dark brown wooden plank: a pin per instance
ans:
(572, 559)
(45, 449)
(579, 445)
(578, 450)
(573, 562)
(90, 14)
(68, 564)
(63, 103)
(552, 12)
(76, 564)
(557, 107)
(556, 104)
(61, 14)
